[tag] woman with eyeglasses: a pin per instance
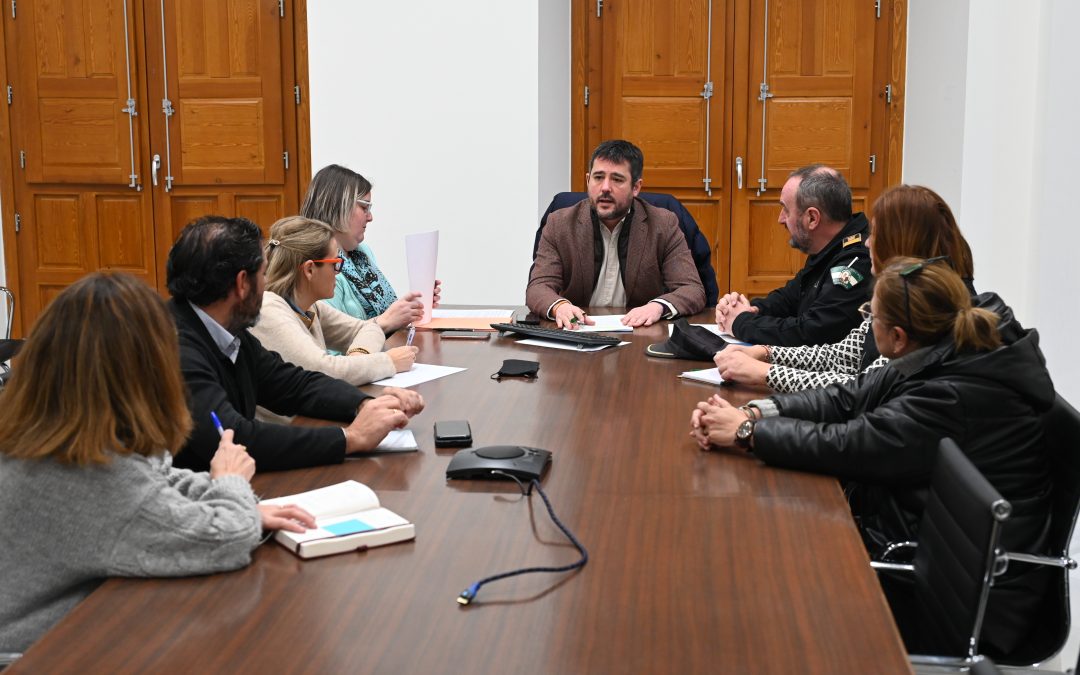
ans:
(94, 409)
(952, 373)
(341, 198)
(906, 220)
(302, 266)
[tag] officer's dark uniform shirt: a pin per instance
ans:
(812, 308)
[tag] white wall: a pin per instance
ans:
(1004, 69)
(458, 113)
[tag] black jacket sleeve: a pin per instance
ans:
(272, 446)
(831, 315)
(892, 443)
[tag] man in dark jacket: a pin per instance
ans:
(820, 305)
(216, 274)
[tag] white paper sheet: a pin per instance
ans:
(715, 330)
(398, 439)
(569, 346)
(422, 257)
(418, 374)
(606, 323)
(471, 313)
(707, 375)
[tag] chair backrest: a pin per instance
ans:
(954, 562)
(699, 246)
(1055, 635)
(9, 310)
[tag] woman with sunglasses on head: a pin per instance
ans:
(341, 198)
(302, 266)
(906, 220)
(952, 374)
(94, 409)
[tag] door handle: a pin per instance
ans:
(738, 172)
(156, 164)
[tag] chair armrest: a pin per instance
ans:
(8, 658)
(1066, 563)
(896, 546)
(892, 567)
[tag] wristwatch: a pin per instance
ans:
(744, 433)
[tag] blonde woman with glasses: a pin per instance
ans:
(302, 267)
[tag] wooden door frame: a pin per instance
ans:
(296, 53)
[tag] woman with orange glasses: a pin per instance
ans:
(302, 265)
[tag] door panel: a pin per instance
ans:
(815, 61)
(223, 66)
(655, 69)
(72, 84)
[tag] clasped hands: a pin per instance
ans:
(729, 307)
(714, 422)
(746, 365)
(569, 316)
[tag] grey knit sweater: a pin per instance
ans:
(66, 528)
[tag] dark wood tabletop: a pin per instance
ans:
(698, 561)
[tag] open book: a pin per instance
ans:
(349, 518)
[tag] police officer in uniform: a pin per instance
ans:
(821, 304)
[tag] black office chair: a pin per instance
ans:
(695, 240)
(1054, 642)
(8, 347)
(956, 557)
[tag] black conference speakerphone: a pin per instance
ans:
(571, 336)
(495, 461)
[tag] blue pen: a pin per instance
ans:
(217, 423)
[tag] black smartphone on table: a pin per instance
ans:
(451, 433)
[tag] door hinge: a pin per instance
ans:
(888, 93)
(130, 109)
(877, 8)
(873, 164)
(296, 94)
(22, 159)
(12, 9)
(10, 94)
(707, 92)
(586, 97)
(285, 156)
(18, 223)
(280, 8)
(166, 107)
(763, 92)
(599, 6)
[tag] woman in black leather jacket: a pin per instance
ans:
(953, 374)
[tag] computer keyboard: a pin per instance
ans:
(572, 336)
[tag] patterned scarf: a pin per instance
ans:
(375, 292)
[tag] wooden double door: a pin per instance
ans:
(129, 118)
(727, 97)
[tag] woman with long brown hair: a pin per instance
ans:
(953, 373)
(94, 407)
(906, 220)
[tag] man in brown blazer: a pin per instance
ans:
(613, 250)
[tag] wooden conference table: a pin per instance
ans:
(698, 562)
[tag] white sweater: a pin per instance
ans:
(281, 329)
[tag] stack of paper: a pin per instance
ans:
(706, 375)
(605, 323)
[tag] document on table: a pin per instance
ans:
(706, 375)
(439, 313)
(398, 440)
(418, 374)
(569, 346)
(605, 323)
(715, 330)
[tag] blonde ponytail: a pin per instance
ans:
(976, 330)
